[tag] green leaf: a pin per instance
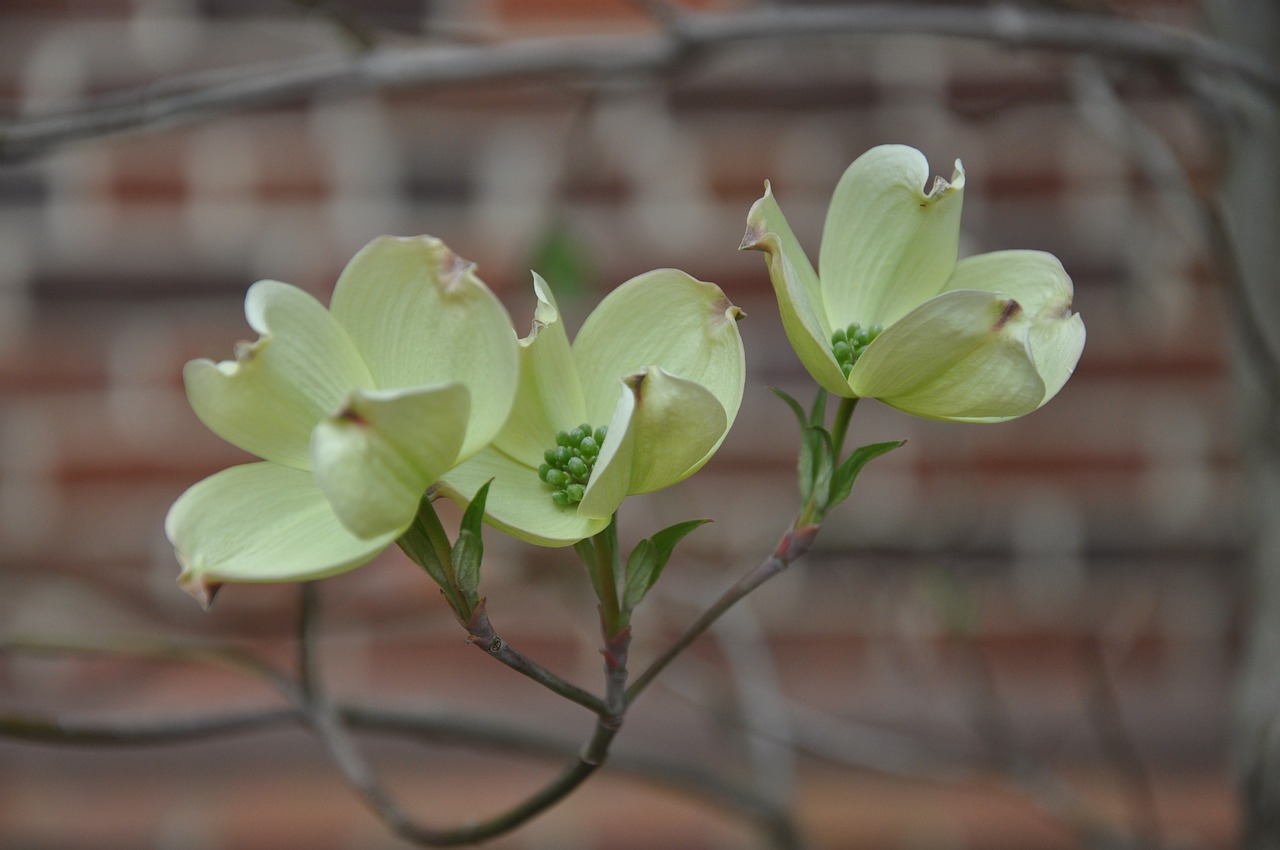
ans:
(641, 566)
(818, 415)
(816, 463)
(842, 481)
(468, 549)
(586, 549)
(422, 547)
(649, 559)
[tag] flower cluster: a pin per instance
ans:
(413, 382)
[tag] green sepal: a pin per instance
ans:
(842, 480)
(468, 549)
(649, 559)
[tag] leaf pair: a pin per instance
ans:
(825, 481)
(456, 567)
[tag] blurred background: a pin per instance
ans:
(1050, 633)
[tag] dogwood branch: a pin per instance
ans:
(594, 60)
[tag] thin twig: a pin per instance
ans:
(135, 732)
(794, 543)
(597, 59)
(156, 649)
(482, 635)
(435, 727)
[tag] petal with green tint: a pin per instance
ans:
(549, 397)
(888, 245)
(420, 316)
(962, 356)
(664, 429)
(376, 456)
(262, 522)
(1056, 347)
(519, 503)
(797, 289)
(662, 318)
(269, 398)
(1035, 279)
(1039, 283)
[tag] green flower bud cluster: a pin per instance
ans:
(848, 345)
(568, 466)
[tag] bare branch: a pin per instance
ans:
(599, 59)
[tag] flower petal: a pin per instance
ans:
(269, 398)
(376, 456)
(662, 318)
(420, 316)
(519, 503)
(961, 356)
(797, 289)
(1039, 283)
(262, 522)
(887, 245)
(549, 396)
(663, 430)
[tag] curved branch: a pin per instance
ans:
(596, 59)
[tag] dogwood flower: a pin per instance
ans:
(640, 401)
(355, 412)
(891, 314)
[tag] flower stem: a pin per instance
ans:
(840, 427)
(600, 557)
(480, 633)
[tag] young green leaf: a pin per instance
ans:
(815, 467)
(842, 481)
(818, 413)
(650, 557)
(468, 549)
(419, 546)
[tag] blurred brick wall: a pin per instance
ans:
(1108, 519)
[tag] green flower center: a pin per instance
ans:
(848, 344)
(568, 466)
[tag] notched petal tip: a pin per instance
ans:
(452, 269)
(757, 234)
(1011, 309)
(753, 239)
(943, 187)
(635, 382)
(200, 587)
